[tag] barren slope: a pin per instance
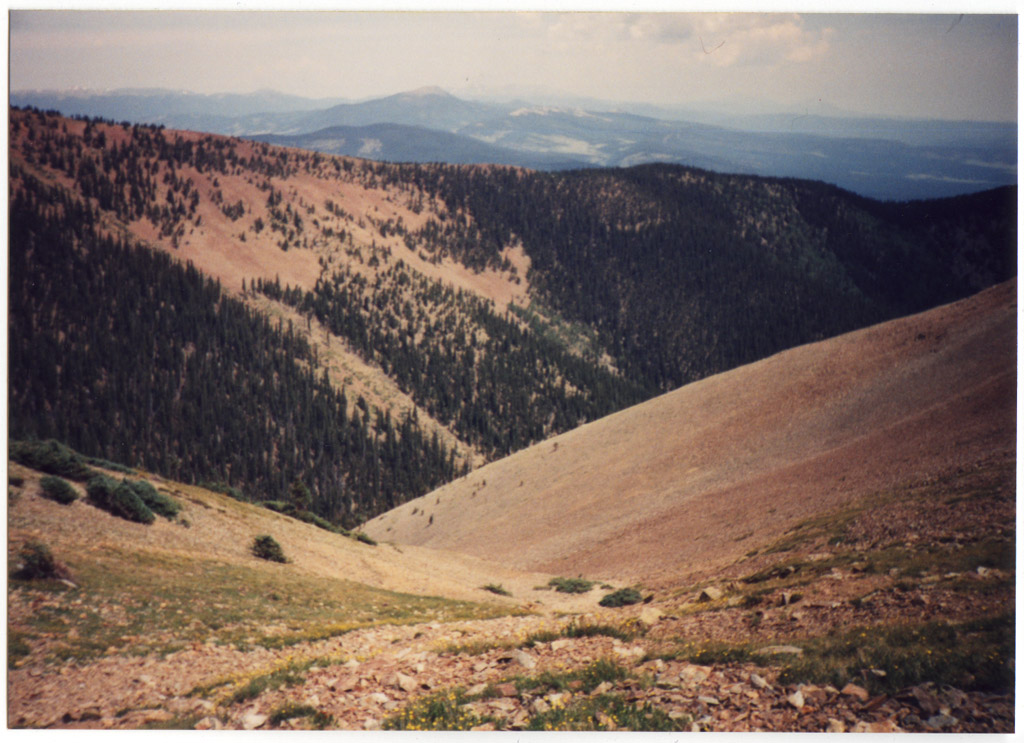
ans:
(698, 477)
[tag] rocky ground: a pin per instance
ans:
(895, 615)
(368, 677)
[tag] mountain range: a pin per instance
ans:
(893, 159)
(300, 440)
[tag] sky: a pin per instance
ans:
(923, 65)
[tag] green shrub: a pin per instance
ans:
(365, 538)
(571, 585)
(156, 501)
(58, 489)
(37, 562)
(224, 489)
(266, 547)
(289, 509)
(119, 499)
(108, 465)
(51, 457)
(496, 588)
(280, 506)
(622, 597)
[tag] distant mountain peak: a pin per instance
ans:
(426, 91)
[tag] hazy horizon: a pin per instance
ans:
(916, 66)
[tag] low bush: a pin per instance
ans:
(51, 457)
(266, 547)
(224, 489)
(571, 585)
(119, 499)
(365, 538)
(622, 597)
(154, 499)
(108, 465)
(289, 509)
(37, 563)
(58, 489)
(496, 588)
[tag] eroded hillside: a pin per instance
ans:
(701, 476)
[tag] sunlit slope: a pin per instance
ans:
(207, 550)
(702, 475)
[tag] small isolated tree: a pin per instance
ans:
(300, 495)
(266, 547)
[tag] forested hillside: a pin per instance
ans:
(684, 273)
(494, 306)
(118, 350)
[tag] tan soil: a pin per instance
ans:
(696, 478)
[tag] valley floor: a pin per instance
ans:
(895, 614)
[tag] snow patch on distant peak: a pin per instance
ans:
(579, 113)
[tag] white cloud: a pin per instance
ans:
(746, 39)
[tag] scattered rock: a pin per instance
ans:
(940, 722)
(703, 699)
(524, 659)
(405, 683)
(156, 715)
(780, 650)
(693, 674)
(835, 726)
(650, 616)
(858, 692)
(882, 726)
(796, 699)
(252, 720)
(209, 723)
(758, 682)
(507, 690)
(562, 644)
(710, 594)
(484, 727)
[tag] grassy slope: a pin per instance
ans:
(160, 587)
